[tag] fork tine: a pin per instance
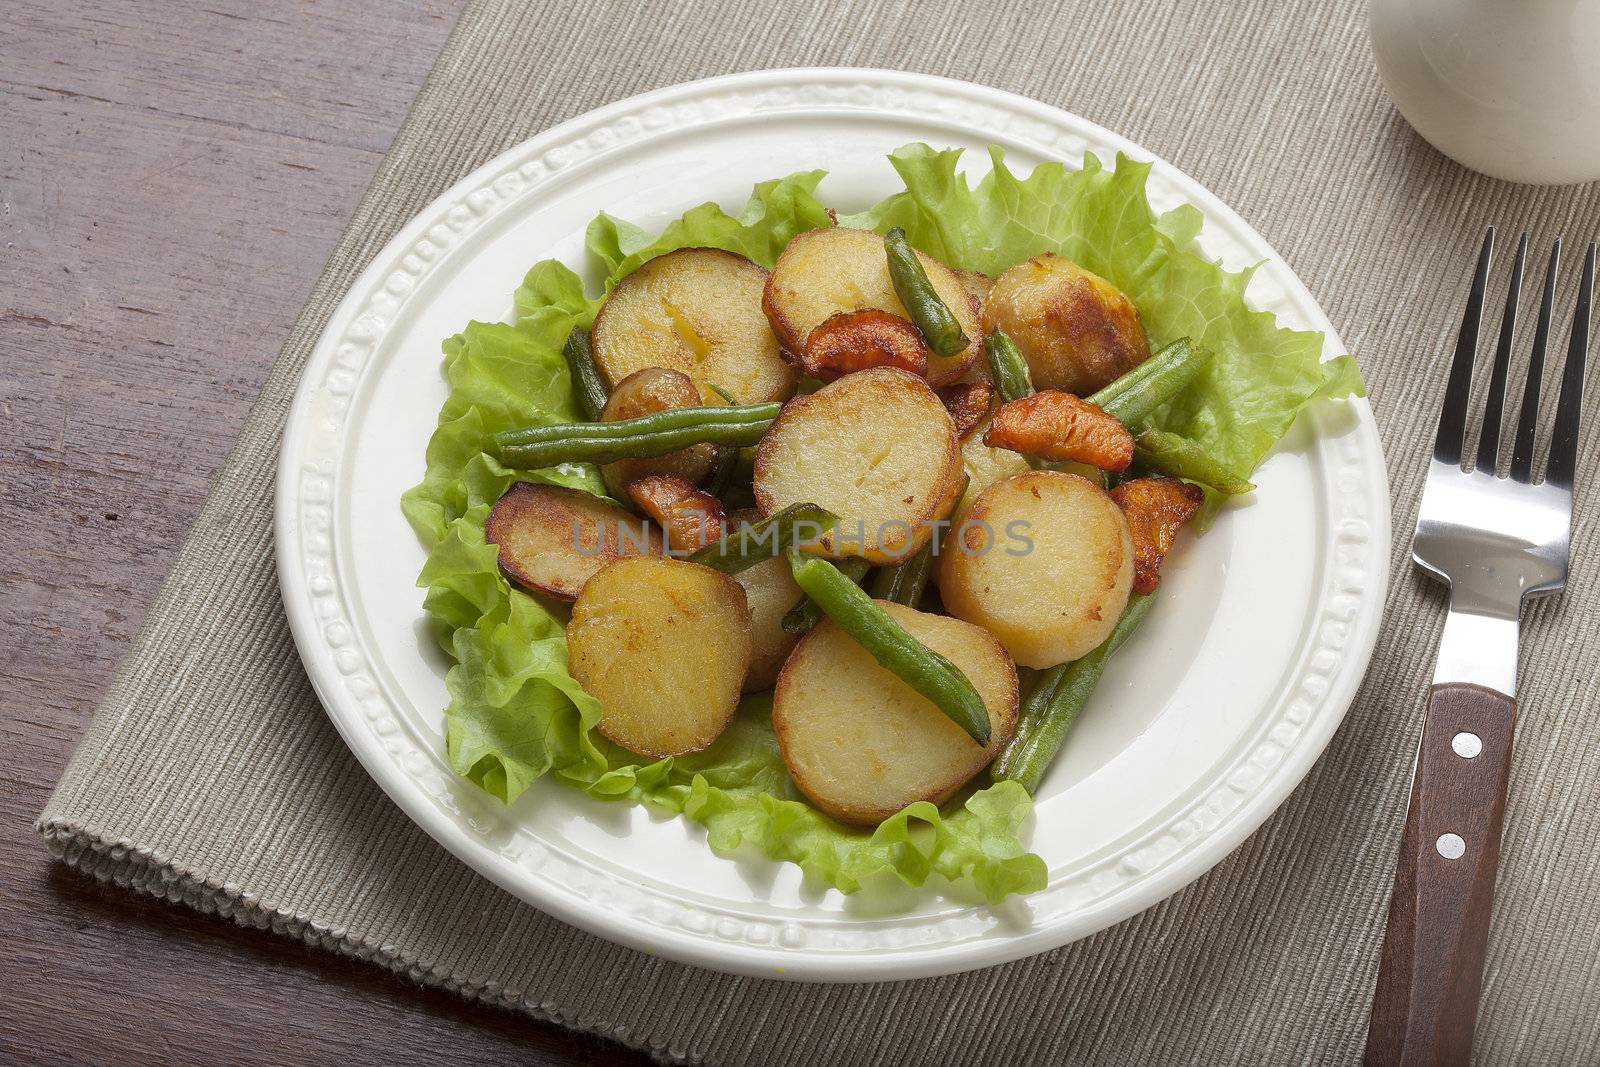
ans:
(1528, 419)
(1447, 444)
(1564, 445)
(1494, 403)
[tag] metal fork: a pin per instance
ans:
(1496, 540)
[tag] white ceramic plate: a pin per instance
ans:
(1199, 731)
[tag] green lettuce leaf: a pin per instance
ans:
(740, 791)
(1262, 376)
(515, 712)
(777, 211)
(501, 377)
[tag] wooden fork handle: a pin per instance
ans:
(1431, 971)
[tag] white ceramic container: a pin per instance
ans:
(1507, 87)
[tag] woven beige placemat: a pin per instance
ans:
(211, 776)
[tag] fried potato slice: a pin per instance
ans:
(771, 591)
(1077, 330)
(1043, 561)
(977, 285)
(1059, 426)
(553, 539)
(861, 743)
(696, 310)
(875, 448)
(690, 517)
(968, 404)
(978, 372)
(664, 645)
(859, 340)
(836, 269)
(1156, 508)
(645, 392)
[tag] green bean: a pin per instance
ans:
(589, 449)
(727, 467)
(588, 386)
(806, 614)
(1007, 367)
(655, 434)
(891, 645)
(1035, 704)
(1057, 699)
(1136, 395)
(905, 582)
(727, 458)
(928, 311)
(672, 418)
(1178, 457)
(749, 545)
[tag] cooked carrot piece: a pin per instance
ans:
(859, 340)
(691, 518)
(968, 403)
(1059, 426)
(1155, 508)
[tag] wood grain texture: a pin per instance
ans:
(1430, 974)
(172, 177)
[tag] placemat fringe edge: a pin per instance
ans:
(120, 862)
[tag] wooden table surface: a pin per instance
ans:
(172, 178)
